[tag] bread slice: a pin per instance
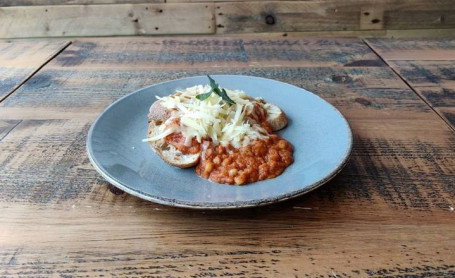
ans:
(276, 117)
(158, 113)
(168, 152)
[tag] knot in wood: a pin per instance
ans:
(269, 19)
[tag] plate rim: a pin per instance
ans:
(218, 205)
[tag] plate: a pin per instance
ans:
(320, 135)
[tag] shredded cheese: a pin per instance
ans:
(212, 118)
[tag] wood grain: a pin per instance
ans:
(7, 126)
(67, 18)
(9, 3)
(249, 17)
(414, 33)
(21, 59)
(428, 66)
(414, 50)
(91, 20)
(389, 213)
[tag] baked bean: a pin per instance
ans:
(239, 180)
(282, 144)
(208, 167)
(227, 161)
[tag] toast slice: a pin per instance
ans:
(169, 153)
(158, 113)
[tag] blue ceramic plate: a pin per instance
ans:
(320, 135)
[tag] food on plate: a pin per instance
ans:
(226, 134)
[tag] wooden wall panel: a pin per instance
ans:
(288, 16)
(9, 3)
(49, 18)
(105, 20)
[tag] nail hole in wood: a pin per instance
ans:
(269, 19)
(363, 101)
(366, 13)
(374, 21)
(136, 20)
(160, 11)
(156, 28)
(146, 8)
(220, 14)
(114, 190)
(45, 10)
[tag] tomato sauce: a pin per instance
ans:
(178, 141)
(263, 159)
(260, 160)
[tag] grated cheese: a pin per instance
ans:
(212, 118)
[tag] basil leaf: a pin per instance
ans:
(216, 89)
(203, 96)
(224, 96)
(213, 83)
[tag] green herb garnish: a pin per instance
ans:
(204, 96)
(216, 89)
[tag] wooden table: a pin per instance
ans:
(389, 213)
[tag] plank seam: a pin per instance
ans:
(11, 129)
(36, 70)
(409, 85)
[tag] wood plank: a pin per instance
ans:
(434, 81)
(9, 3)
(427, 73)
(218, 1)
(249, 17)
(428, 66)
(6, 127)
(420, 33)
(160, 59)
(75, 244)
(174, 52)
(414, 33)
(47, 18)
(65, 186)
(19, 60)
(90, 20)
(414, 50)
(388, 213)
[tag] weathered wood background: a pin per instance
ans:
(389, 213)
(371, 18)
